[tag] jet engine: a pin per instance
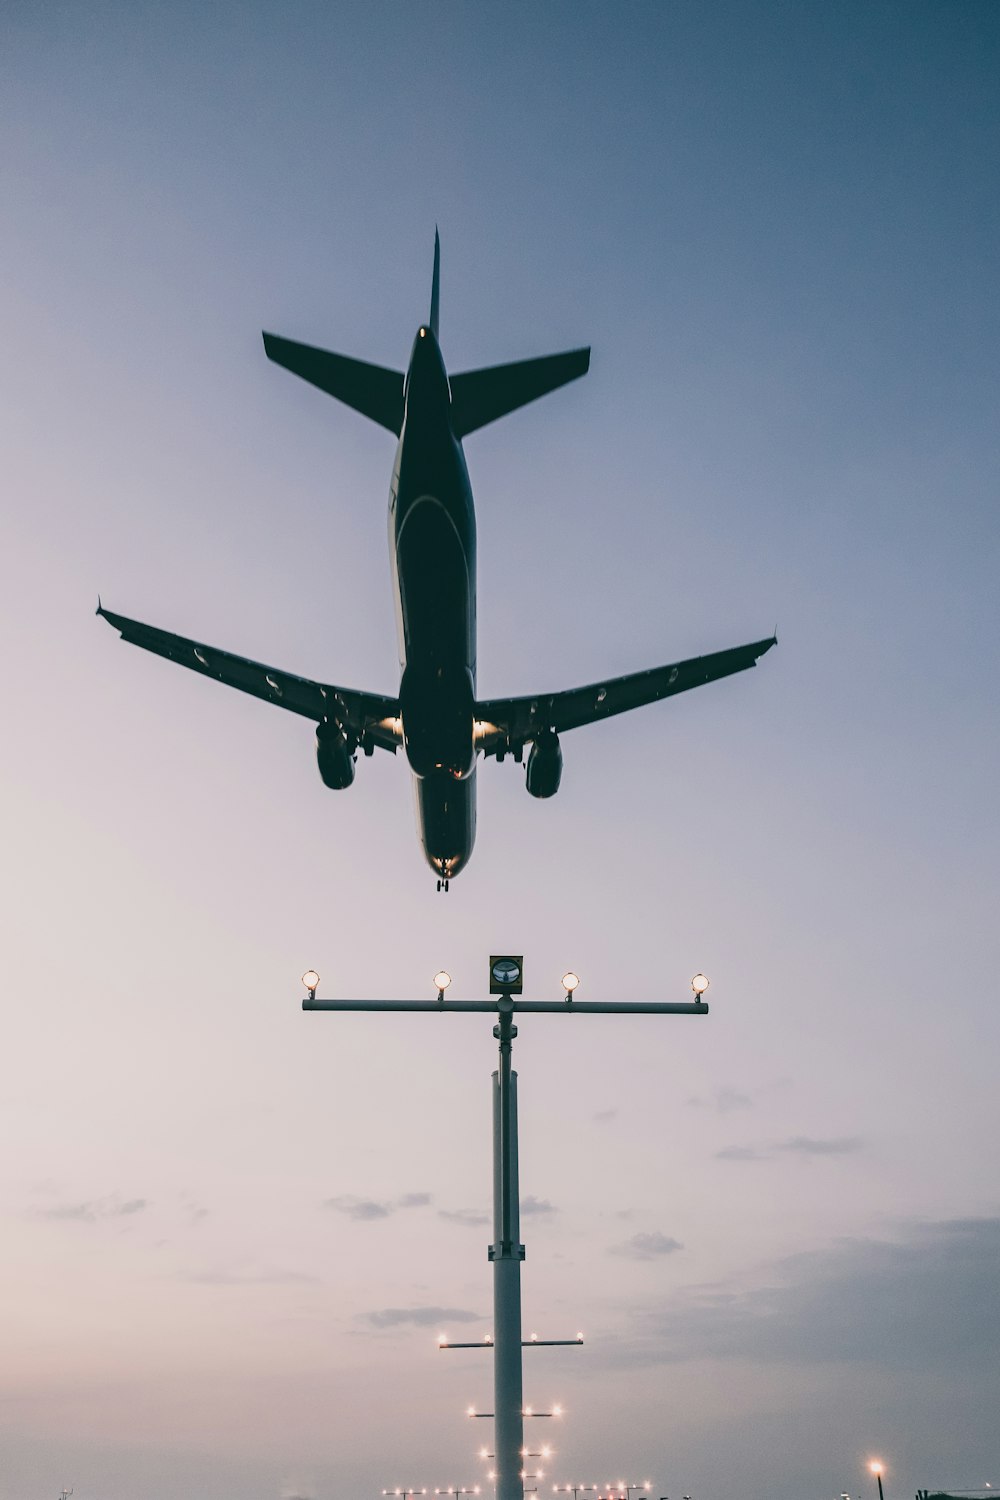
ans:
(544, 765)
(335, 755)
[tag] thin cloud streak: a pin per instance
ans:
(419, 1317)
(538, 1207)
(91, 1210)
(469, 1218)
(649, 1245)
(804, 1145)
(725, 1100)
(365, 1210)
(797, 1145)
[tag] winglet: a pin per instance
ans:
(100, 607)
(436, 284)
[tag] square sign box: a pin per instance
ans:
(506, 973)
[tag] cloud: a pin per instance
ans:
(420, 1317)
(805, 1145)
(532, 1205)
(928, 1300)
(648, 1246)
(93, 1209)
(796, 1145)
(470, 1218)
(266, 1277)
(724, 1100)
(359, 1208)
(364, 1210)
(605, 1116)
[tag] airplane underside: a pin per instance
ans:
(436, 715)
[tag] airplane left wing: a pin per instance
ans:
(371, 718)
(508, 722)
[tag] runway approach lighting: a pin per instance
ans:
(311, 981)
(442, 979)
(878, 1469)
(506, 1009)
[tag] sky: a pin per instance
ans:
(231, 1232)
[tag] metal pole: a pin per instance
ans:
(506, 1253)
(881, 1496)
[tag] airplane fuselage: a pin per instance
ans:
(432, 544)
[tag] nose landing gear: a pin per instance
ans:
(443, 884)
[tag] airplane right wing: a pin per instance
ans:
(508, 722)
(370, 718)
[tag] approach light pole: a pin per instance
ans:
(507, 1252)
(877, 1468)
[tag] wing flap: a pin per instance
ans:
(514, 720)
(368, 714)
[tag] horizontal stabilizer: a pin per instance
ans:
(370, 389)
(480, 396)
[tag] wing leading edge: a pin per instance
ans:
(505, 722)
(373, 719)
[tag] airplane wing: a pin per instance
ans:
(508, 722)
(372, 718)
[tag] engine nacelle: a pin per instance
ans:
(544, 765)
(335, 755)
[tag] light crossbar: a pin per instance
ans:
(521, 1007)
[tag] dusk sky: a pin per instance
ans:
(230, 1231)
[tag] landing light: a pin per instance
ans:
(699, 984)
(311, 981)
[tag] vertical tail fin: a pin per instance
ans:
(436, 285)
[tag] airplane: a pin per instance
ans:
(435, 716)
